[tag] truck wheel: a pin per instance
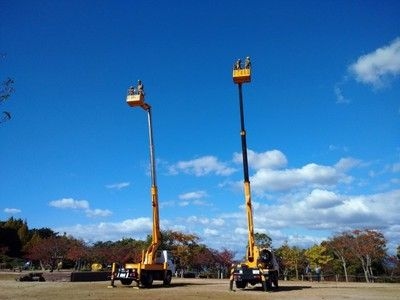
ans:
(241, 284)
(275, 280)
(126, 281)
(168, 278)
(268, 284)
(264, 285)
(147, 280)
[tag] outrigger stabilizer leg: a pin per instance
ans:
(112, 285)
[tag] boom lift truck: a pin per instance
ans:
(260, 265)
(155, 264)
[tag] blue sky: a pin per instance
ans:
(322, 115)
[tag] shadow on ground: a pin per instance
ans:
(278, 290)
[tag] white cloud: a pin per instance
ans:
(118, 186)
(338, 148)
(347, 163)
(301, 219)
(311, 174)
(376, 67)
(167, 204)
(136, 228)
(134, 225)
(12, 210)
(340, 98)
(302, 241)
(218, 221)
(83, 205)
(98, 212)
(201, 203)
(201, 166)
(205, 221)
(309, 206)
(322, 199)
(193, 195)
(319, 214)
(269, 159)
(193, 198)
(70, 203)
(210, 232)
(198, 220)
(240, 231)
(341, 211)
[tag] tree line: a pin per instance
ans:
(47, 249)
(361, 253)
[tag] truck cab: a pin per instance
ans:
(164, 256)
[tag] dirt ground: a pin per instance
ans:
(182, 288)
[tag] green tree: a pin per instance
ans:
(291, 259)
(262, 240)
(317, 257)
(23, 233)
(10, 242)
(44, 232)
(13, 235)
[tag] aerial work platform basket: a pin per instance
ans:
(241, 75)
(135, 100)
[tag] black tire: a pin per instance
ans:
(168, 278)
(241, 284)
(264, 285)
(268, 284)
(126, 281)
(147, 280)
(275, 280)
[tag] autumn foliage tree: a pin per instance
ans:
(340, 245)
(369, 246)
(226, 258)
(353, 252)
(48, 251)
(191, 255)
(182, 246)
(78, 253)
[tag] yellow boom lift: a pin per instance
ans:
(260, 265)
(155, 264)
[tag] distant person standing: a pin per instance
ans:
(318, 273)
(308, 273)
(140, 88)
(247, 63)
